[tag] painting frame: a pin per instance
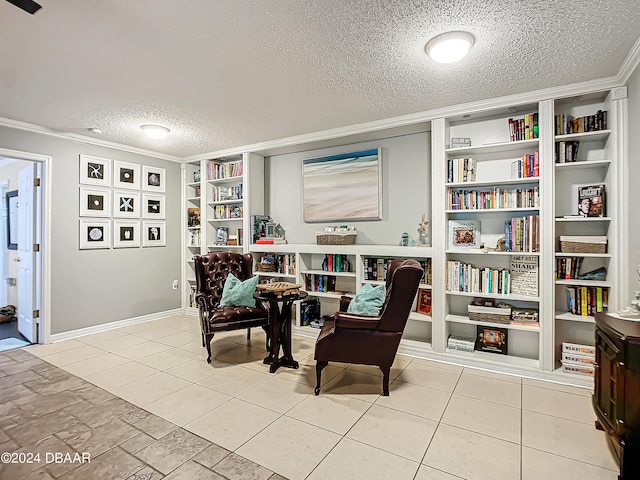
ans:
(120, 229)
(95, 202)
(463, 234)
(89, 239)
(121, 172)
(159, 202)
(132, 208)
(148, 239)
(95, 170)
(357, 176)
(151, 183)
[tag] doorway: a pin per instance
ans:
(22, 310)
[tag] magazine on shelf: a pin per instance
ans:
(591, 201)
(492, 339)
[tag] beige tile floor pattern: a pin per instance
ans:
(440, 422)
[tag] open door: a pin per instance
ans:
(27, 288)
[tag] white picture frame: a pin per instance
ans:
(95, 170)
(463, 234)
(153, 179)
(94, 234)
(154, 234)
(153, 206)
(95, 202)
(126, 175)
(126, 234)
(126, 204)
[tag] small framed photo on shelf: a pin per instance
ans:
(464, 234)
(95, 202)
(95, 171)
(126, 175)
(591, 201)
(126, 204)
(492, 339)
(153, 234)
(126, 234)
(94, 234)
(153, 179)
(424, 301)
(153, 206)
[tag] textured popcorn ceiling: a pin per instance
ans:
(227, 73)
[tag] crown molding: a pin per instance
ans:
(29, 127)
(630, 63)
(416, 118)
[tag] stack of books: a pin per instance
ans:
(461, 344)
(578, 359)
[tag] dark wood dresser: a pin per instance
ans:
(616, 396)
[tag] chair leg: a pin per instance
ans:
(208, 339)
(320, 364)
(203, 344)
(386, 370)
(267, 338)
(248, 334)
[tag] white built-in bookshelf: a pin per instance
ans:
(551, 193)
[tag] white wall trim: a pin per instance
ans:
(45, 279)
(630, 63)
(29, 127)
(81, 332)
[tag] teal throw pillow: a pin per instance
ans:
(237, 293)
(368, 300)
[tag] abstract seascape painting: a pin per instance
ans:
(343, 187)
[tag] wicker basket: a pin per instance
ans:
(336, 238)
(266, 267)
(489, 314)
(567, 245)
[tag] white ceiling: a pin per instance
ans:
(227, 73)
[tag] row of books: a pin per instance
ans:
(222, 212)
(283, 263)
(224, 193)
(586, 301)
(525, 128)
(465, 277)
(375, 268)
(233, 239)
(319, 283)
(577, 358)
(216, 170)
(566, 152)
(522, 234)
(336, 263)
(566, 124)
(461, 170)
(495, 198)
(568, 268)
(526, 167)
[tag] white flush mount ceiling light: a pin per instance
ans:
(449, 47)
(155, 131)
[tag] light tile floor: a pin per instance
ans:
(440, 422)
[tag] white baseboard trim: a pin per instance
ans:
(80, 332)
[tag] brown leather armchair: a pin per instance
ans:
(211, 272)
(351, 338)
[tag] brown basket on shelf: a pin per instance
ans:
(567, 245)
(266, 267)
(489, 314)
(336, 238)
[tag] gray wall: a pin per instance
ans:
(633, 134)
(93, 287)
(406, 190)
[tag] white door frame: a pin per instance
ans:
(44, 266)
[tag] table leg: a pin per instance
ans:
(287, 358)
(274, 330)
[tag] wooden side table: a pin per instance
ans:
(280, 328)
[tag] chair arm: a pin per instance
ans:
(344, 302)
(204, 302)
(353, 320)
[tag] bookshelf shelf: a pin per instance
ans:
(513, 181)
(194, 228)
(275, 274)
(492, 148)
(213, 246)
(331, 274)
(465, 320)
(493, 358)
(583, 164)
(218, 181)
(325, 294)
(474, 252)
(193, 199)
(218, 220)
(494, 210)
(585, 255)
(225, 202)
(193, 184)
(586, 283)
(584, 219)
(597, 135)
(511, 297)
(570, 317)
(420, 317)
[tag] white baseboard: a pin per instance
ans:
(58, 337)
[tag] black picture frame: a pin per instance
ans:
(12, 220)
